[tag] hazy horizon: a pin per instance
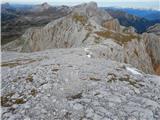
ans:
(146, 4)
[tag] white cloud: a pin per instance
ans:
(75, 1)
(153, 4)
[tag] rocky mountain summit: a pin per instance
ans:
(41, 8)
(82, 66)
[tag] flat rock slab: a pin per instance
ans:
(66, 84)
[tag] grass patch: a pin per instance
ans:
(130, 81)
(126, 78)
(34, 92)
(118, 37)
(15, 63)
(7, 101)
(80, 18)
(19, 101)
(77, 96)
(29, 78)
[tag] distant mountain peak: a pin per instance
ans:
(92, 4)
(41, 7)
(88, 5)
(45, 4)
(5, 5)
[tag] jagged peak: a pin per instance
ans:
(86, 5)
(45, 4)
(92, 4)
(5, 5)
(92, 11)
(41, 7)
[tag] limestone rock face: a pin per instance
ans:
(93, 12)
(62, 33)
(41, 8)
(129, 30)
(70, 84)
(137, 55)
(112, 25)
(152, 43)
(70, 31)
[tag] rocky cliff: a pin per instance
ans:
(152, 43)
(112, 25)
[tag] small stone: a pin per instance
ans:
(77, 106)
(27, 118)
(15, 106)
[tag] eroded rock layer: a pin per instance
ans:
(75, 84)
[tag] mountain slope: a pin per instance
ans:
(125, 19)
(65, 32)
(15, 21)
(68, 84)
(154, 29)
(144, 13)
(88, 25)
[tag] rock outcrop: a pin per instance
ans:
(112, 25)
(75, 84)
(152, 43)
(129, 29)
(92, 12)
(41, 8)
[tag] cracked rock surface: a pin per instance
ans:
(68, 84)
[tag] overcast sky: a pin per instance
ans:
(154, 4)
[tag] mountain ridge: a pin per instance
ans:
(140, 23)
(95, 26)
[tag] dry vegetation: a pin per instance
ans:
(126, 78)
(7, 100)
(80, 18)
(118, 37)
(15, 63)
